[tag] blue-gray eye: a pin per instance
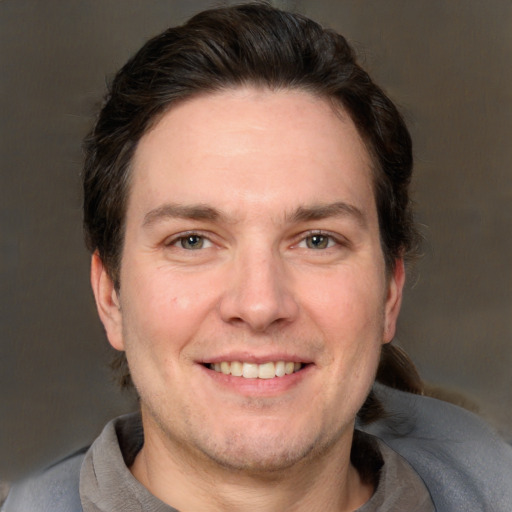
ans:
(192, 242)
(318, 242)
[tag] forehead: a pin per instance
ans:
(246, 146)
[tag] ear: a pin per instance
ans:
(107, 302)
(394, 299)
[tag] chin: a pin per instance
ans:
(254, 460)
(264, 454)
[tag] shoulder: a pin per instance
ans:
(463, 462)
(52, 490)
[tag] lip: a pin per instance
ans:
(256, 387)
(251, 357)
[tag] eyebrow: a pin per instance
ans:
(324, 211)
(173, 210)
(205, 212)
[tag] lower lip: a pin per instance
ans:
(258, 387)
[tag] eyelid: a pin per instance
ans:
(338, 239)
(172, 240)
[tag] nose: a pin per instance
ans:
(258, 292)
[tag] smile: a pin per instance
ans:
(256, 371)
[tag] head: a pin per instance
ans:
(251, 45)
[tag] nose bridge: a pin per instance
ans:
(259, 292)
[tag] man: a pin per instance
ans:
(246, 206)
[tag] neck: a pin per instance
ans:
(190, 481)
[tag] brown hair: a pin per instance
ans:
(253, 44)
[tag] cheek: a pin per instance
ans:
(350, 313)
(346, 304)
(162, 311)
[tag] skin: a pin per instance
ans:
(285, 263)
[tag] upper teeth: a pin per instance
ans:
(256, 371)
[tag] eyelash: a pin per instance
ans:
(332, 240)
(183, 237)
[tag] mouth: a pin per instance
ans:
(246, 370)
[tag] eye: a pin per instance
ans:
(318, 241)
(191, 242)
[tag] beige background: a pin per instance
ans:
(449, 66)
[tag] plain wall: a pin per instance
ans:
(447, 65)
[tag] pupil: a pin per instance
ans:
(192, 242)
(318, 242)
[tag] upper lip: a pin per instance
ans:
(251, 357)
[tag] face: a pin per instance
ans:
(254, 298)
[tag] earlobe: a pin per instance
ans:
(394, 299)
(107, 302)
